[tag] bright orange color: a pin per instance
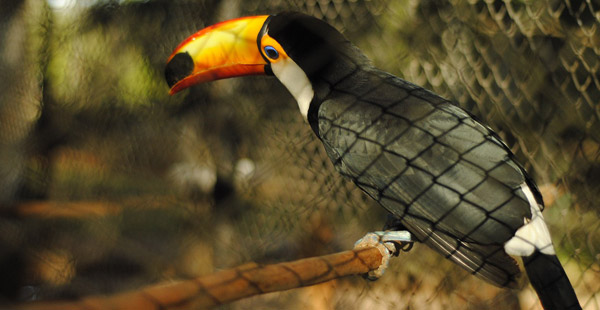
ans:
(227, 49)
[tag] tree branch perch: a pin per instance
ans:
(229, 285)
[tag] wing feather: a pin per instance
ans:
(447, 177)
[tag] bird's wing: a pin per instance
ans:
(490, 263)
(443, 174)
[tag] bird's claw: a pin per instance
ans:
(389, 244)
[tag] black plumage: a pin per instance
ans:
(445, 176)
(440, 172)
(448, 179)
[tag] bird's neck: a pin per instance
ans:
(342, 76)
(313, 76)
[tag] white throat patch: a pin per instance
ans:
(296, 81)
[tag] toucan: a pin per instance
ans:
(440, 173)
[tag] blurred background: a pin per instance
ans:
(107, 184)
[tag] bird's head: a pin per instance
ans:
(300, 50)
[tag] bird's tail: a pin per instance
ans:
(550, 282)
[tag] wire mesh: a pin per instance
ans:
(109, 184)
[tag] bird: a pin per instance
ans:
(441, 173)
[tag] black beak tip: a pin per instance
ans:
(180, 66)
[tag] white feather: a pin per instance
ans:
(296, 81)
(533, 234)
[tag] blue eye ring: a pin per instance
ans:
(271, 52)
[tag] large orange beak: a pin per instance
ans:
(227, 49)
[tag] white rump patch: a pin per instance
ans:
(534, 234)
(296, 81)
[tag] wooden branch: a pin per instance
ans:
(87, 209)
(229, 285)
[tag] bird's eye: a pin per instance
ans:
(271, 52)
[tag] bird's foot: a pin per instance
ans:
(389, 244)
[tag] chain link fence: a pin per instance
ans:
(108, 184)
